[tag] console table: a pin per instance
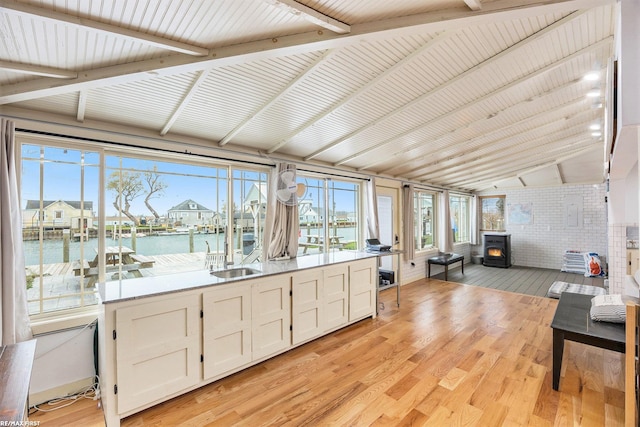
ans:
(572, 322)
(446, 260)
(16, 362)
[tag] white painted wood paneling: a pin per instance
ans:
(426, 91)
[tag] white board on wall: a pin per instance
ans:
(573, 211)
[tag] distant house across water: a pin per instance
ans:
(58, 214)
(192, 214)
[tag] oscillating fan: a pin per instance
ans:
(288, 191)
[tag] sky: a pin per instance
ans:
(63, 172)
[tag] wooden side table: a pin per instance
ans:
(572, 321)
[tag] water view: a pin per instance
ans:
(52, 251)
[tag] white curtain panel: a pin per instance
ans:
(407, 223)
(282, 222)
(14, 313)
(373, 228)
(475, 217)
(446, 230)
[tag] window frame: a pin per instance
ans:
(47, 321)
(325, 214)
(482, 212)
(464, 223)
(417, 220)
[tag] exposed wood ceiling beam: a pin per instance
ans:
(473, 4)
(421, 144)
(463, 163)
(451, 82)
(53, 16)
(362, 89)
(424, 146)
(268, 48)
(515, 163)
(311, 15)
(292, 84)
(510, 174)
(414, 153)
(559, 173)
(82, 105)
(511, 166)
(405, 167)
(36, 70)
(522, 158)
(185, 101)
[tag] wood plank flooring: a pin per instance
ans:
(452, 354)
(524, 280)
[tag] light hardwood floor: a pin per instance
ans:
(452, 354)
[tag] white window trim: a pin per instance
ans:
(434, 225)
(64, 319)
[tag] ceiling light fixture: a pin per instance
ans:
(592, 77)
(596, 134)
(593, 93)
(594, 126)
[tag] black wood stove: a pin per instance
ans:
(497, 250)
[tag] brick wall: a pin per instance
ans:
(552, 229)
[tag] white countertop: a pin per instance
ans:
(122, 290)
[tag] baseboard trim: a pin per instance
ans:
(60, 391)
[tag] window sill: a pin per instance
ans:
(63, 322)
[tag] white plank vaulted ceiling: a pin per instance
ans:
(466, 95)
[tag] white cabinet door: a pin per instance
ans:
(336, 296)
(307, 305)
(157, 349)
(362, 289)
(271, 315)
(226, 328)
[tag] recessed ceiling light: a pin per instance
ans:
(594, 126)
(596, 133)
(592, 76)
(593, 93)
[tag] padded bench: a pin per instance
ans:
(558, 287)
(446, 260)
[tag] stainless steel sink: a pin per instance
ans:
(234, 272)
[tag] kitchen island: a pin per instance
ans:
(160, 337)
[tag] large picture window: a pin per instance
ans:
(59, 191)
(492, 213)
(163, 217)
(249, 210)
(424, 205)
(157, 216)
(329, 212)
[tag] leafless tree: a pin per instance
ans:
(127, 186)
(155, 186)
